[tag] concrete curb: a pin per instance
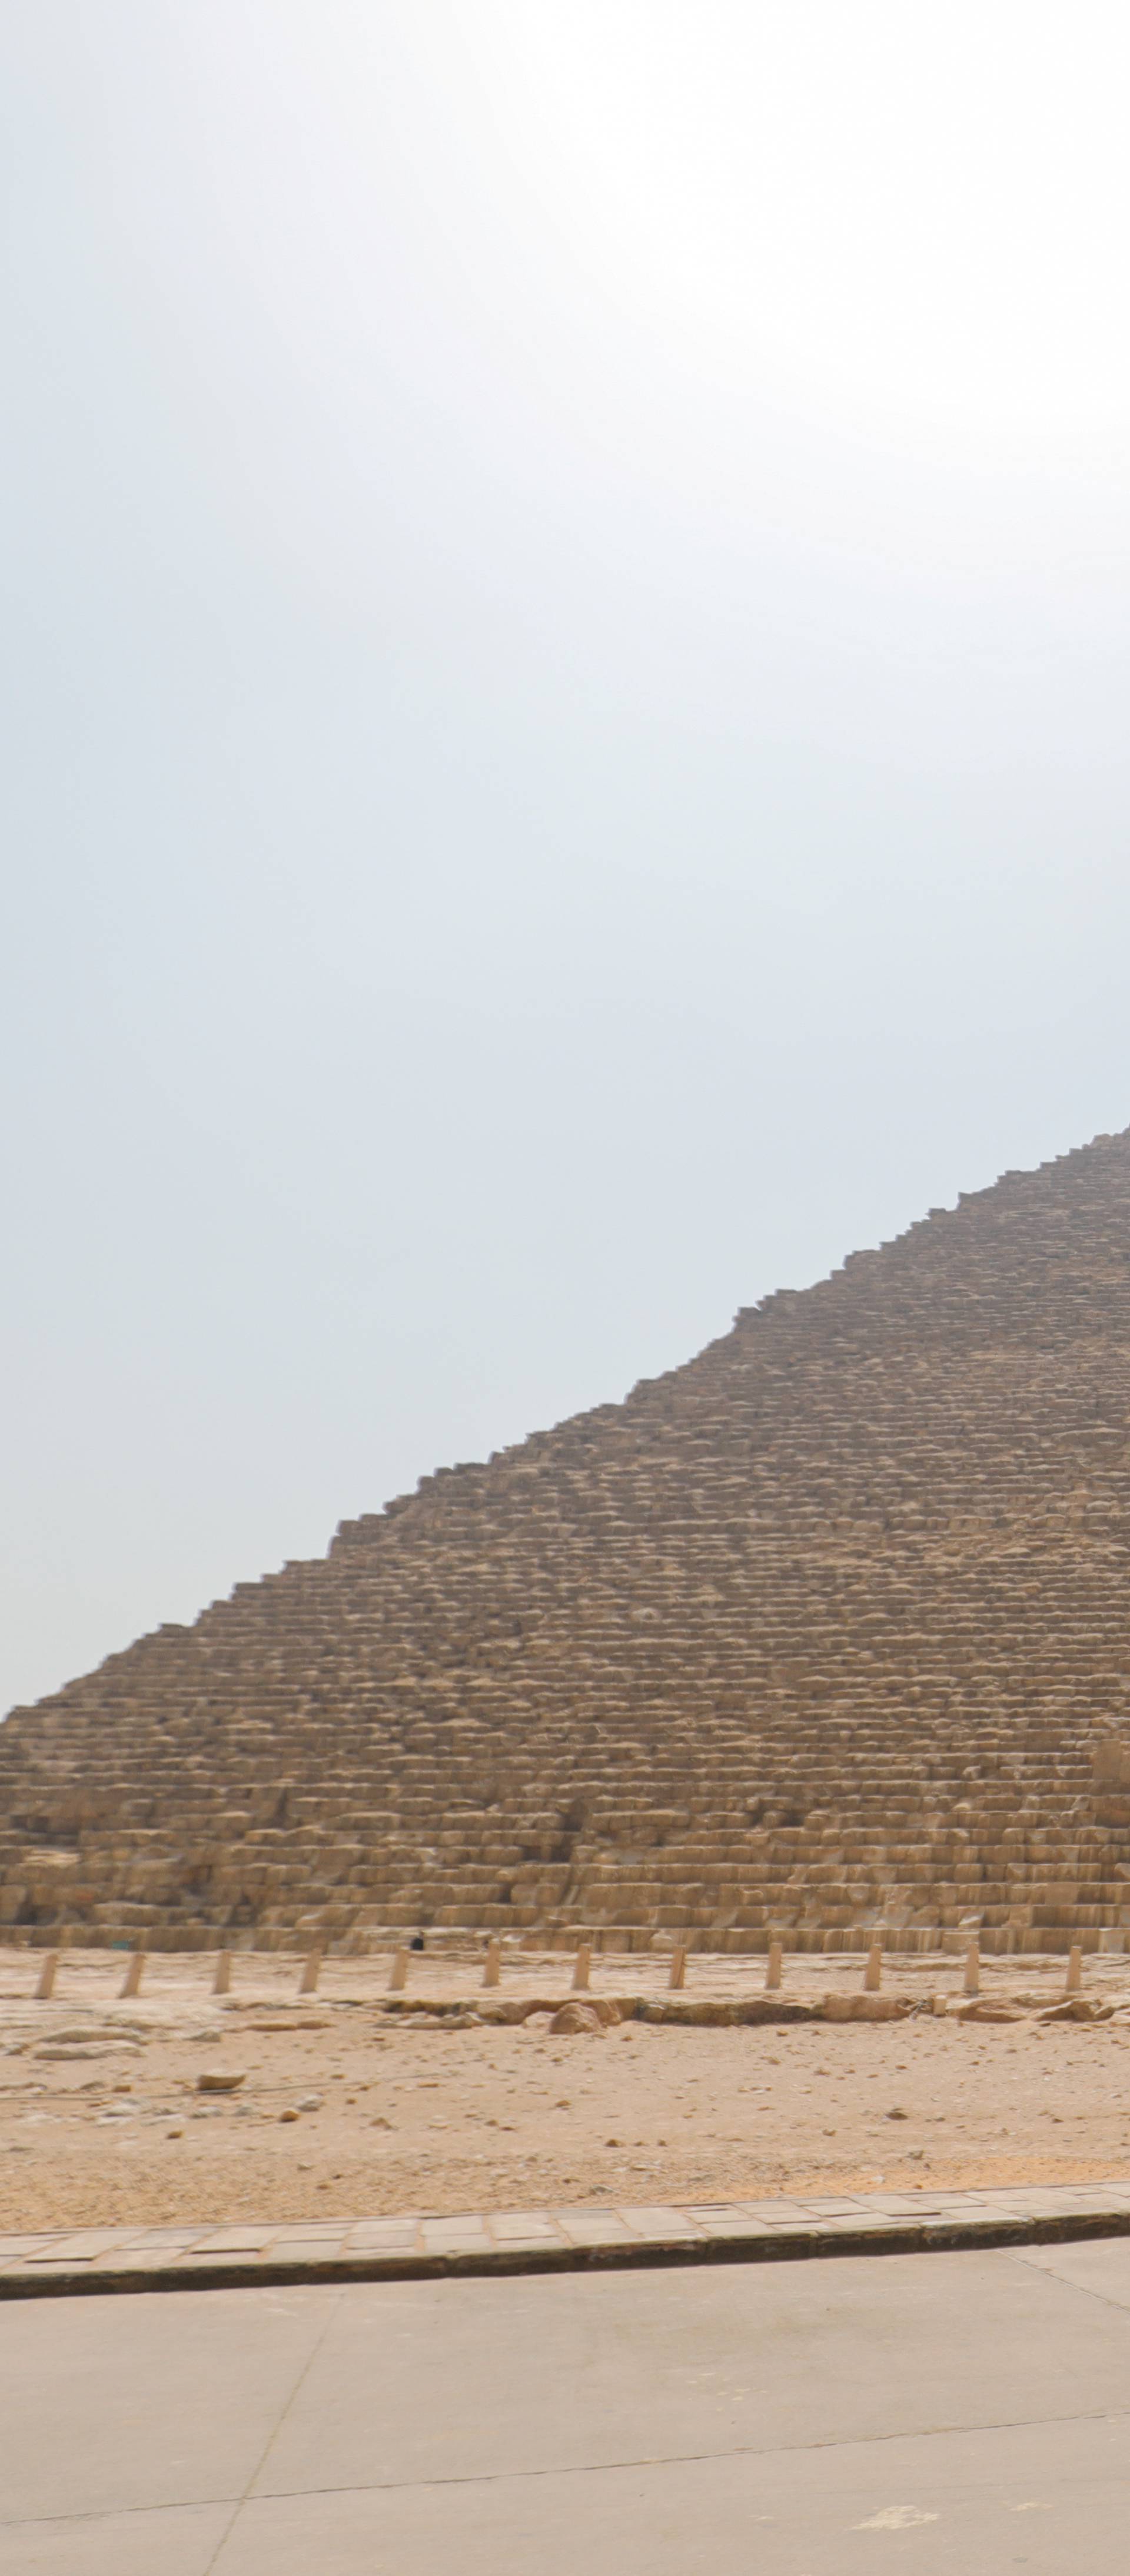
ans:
(113, 2261)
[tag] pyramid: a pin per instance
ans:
(825, 1631)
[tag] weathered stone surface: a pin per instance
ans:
(866, 2007)
(1111, 1762)
(984, 2009)
(820, 1638)
(575, 2021)
(1077, 2008)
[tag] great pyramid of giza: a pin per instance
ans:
(827, 1630)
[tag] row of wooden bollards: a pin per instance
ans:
(774, 1968)
(492, 1970)
(307, 1983)
(221, 1982)
(873, 1972)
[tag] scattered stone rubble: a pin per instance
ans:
(822, 1638)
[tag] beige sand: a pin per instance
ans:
(346, 2109)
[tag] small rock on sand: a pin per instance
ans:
(575, 2021)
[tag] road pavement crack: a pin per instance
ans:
(273, 2436)
(692, 2459)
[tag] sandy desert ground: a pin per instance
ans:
(348, 2107)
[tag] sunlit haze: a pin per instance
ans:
(566, 659)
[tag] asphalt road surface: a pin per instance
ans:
(965, 2413)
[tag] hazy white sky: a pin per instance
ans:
(566, 678)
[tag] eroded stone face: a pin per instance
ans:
(1110, 1762)
(823, 1632)
(577, 2021)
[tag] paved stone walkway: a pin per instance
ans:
(417, 2246)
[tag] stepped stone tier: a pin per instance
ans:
(826, 1632)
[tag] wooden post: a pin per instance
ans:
(973, 1968)
(773, 1968)
(492, 1966)
(1074, 1981)
(873, 1972)
(581, 1970)
(131, 1982)
(398, 1978)
(221, 1982)
(311, 1971)
(678, 1976)
(46, 1987)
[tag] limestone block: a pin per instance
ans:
(865, 2007)
(576, 2021)
(1110, 1762)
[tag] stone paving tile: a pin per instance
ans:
(707, 2209)
(64, 2253)
(733, 2222)
(976, 2200)
(979, 2219)
(1043, 2197)
(451, 2235)
(172, 2237)
(363, 2252)
(237, 2240)
(374, 2228)
(337, 2226)
(513, 2229)
(652, 2221)
(898, 2201)
(292, 2239)
(832, 2208)
(592, 2227)
(780, 2209)
(101, 2255)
